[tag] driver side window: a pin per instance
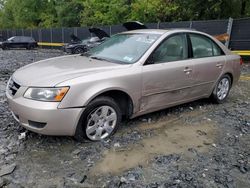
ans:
(173, 49)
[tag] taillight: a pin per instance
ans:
(241, 61)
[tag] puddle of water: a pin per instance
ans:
(170, 138)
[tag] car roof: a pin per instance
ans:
(22, 37)
(178, 30)
(150, 31)
(161, 31)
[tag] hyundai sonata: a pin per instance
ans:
(130, 74)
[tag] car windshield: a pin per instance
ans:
(123, 48)
(11, 38)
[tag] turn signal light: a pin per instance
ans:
(241, 61)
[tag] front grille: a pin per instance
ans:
(13, 87)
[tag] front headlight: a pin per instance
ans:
(46, 94)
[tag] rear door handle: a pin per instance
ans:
(187, 70)
(219, 65)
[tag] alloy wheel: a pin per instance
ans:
(78, 50)
(101, 122)
(223, 88)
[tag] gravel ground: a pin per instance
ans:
(198, 144)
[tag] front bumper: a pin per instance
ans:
(54, 121)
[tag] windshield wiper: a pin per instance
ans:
(98, 58)
(101, 59)
(105, 59)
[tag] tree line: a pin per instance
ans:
(74, 13)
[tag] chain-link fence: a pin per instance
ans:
(237, 29)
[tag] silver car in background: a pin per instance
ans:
(130, 74)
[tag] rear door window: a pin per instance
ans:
(30, 39)
(202, 46)
(24, 39)
(18, 39)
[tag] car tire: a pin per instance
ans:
(78, 50)
(5, 48)
(30, 47)
(100, 120)
(222, 89)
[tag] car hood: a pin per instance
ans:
(50, 72)
(99, 32)
(74, 38)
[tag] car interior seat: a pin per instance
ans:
(201, 51)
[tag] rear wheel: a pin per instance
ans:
(100, 120)
(30, 47)
(222, 89)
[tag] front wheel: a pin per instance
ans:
(78, 50)
(100, 120)
(221, 90)
(5, 48)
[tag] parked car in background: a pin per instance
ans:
(19, 42)
(128, 75)
(77, 46)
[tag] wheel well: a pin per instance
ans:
(122, 99)
(231, 76)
